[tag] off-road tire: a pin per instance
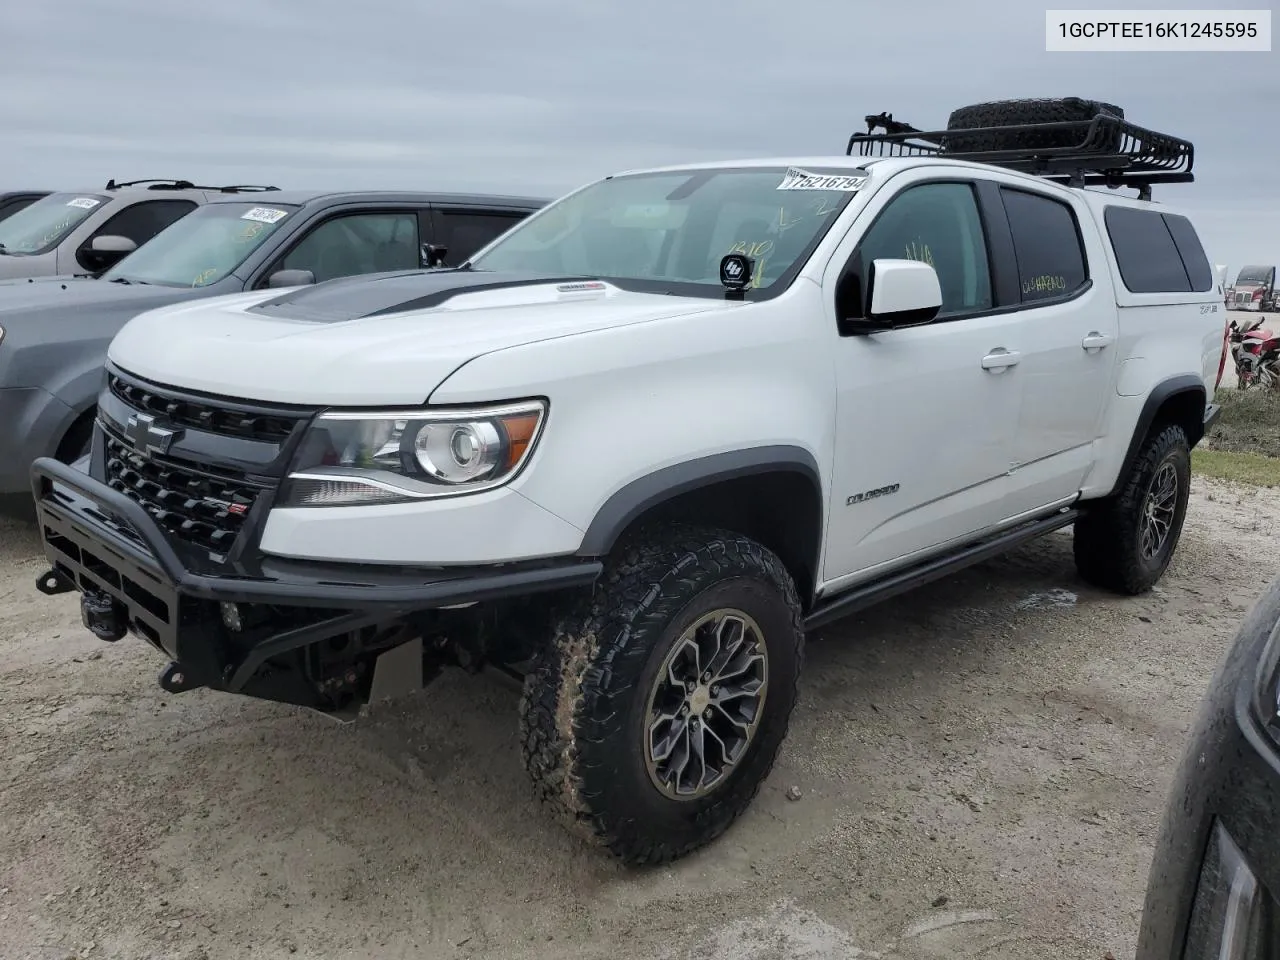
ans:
(585, 699)
(1002, 113)
(1107, 537)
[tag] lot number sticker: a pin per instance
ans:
(265, 215)
(797, 179)
(84, 203)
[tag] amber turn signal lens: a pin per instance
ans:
(520, 432)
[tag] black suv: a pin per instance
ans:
(1214, 888)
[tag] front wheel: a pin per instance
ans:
(656, 712)
(1125, 543)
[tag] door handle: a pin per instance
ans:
(1000, 358)
(1096, 341)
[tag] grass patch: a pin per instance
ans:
(1239, 467)
(1250, 423)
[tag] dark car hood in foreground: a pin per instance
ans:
(1229, 776)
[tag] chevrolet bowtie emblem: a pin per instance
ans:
(146, 437)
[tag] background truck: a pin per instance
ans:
(1254, 289)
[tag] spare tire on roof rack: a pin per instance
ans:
(1006, 113)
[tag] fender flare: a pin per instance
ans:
(667, 483)
(1160, 393)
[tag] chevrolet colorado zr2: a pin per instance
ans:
(638, 445)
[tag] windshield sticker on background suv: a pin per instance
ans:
(264, 215)
(250, 231)
(84, 203)
(797, 179)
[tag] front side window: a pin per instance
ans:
(668, 232)
(937, 224)
(204, 246)
(45, 223)
(358, 243)
(138, 222)
(466, 231)
(1046, 245)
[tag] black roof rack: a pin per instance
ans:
(1103, 151)
(187, 185)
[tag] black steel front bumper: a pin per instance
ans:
(1214, 883)
(104, 544)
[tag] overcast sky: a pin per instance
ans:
(515, 96)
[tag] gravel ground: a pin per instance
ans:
(981, 765)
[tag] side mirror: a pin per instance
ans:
(291, 278)
(106, 251)
(900, 293)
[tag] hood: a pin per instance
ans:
(54, 294)
(47, 323)
(14, 267)
(389, 339)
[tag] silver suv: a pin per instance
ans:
(87, 232)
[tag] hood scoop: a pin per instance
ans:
(355, 298)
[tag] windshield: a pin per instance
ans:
(202, 247)
(42, 225)
(1252, 275)
(667, 232)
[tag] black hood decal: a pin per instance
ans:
(353, 298)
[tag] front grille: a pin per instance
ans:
(195, 506)
(200, 414)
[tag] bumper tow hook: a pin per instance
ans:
(105, 616)
(173, 679)
(51, 583)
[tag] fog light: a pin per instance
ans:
(231, 617)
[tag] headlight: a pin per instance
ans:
(357, 457)
(1, 334)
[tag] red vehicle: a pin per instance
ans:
(1256, 352)
(1254, 289)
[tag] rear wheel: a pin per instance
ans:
(1125, 543)
(656, 713)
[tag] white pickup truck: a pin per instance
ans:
(637, 446)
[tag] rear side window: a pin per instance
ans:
(1193, 257)
(1157, 253)
(1046, 243)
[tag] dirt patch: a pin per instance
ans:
(982, 768)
